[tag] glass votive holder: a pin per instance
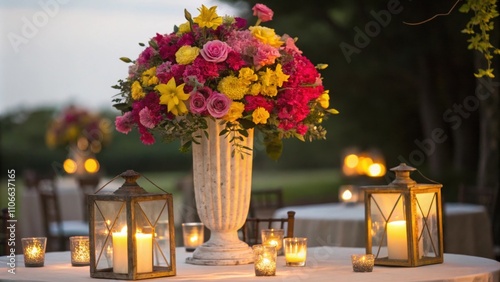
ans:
(80, 250)
(264, 260)
(34, 251)
(295, 250)
(273, 237)
(362, 263)
(193, 234)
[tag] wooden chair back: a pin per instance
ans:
(263, 203)
(86, 186)
(252, 228)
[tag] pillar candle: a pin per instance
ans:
(144, 244)
(397, 246)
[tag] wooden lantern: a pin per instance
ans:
(404, 221)
(132, 232)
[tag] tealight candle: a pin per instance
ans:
(362, 263)
(273, 237)
(80, 252)
(264, 260)
(295, 251)
(34, 251)
(193, 235)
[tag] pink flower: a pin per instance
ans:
(197, 103)
(215, 51)
(147, 118)
(262, 12)
(124, 123)
(218, 104)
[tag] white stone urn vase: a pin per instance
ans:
(222, 186)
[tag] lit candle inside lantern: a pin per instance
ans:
(397, 247)
(144, 247)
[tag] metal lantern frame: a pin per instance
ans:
(419, 206)
(144, 215)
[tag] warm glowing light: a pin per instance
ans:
(351, 161)
(91, 165)
(364, 164)
(82, 143)
(70, 166)
(347, 195)
(376, 170)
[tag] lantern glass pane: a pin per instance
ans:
(388, 229)
(427, 222)
(106, 214)
(154, 214)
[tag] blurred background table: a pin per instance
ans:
(466, 227)
(322, 264)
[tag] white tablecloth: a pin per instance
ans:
(466, 230)
(323, 264)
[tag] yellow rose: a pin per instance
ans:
(149, 78)
(266, 35)
(186, 54)
(324, 100)
(247, 75)
(260, 115)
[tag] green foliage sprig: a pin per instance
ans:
(479, 27)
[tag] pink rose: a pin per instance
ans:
(263, 12)
(124, 123)
(197, 103)
(218, 104)
(215, 51)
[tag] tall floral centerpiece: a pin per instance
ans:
(212, 83)
(81, 132)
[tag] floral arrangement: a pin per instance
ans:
(215, 67)
(74, 124)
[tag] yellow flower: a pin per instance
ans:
(235, 112)
(184, 28)
(260, 115)
(324, 99)
(136, 90)
(280, 76)
(149, 78)
(247, 75)
(232, 87)
(173, 96)
(255, 89)
(270, 90)
(266, 35)
(186, 54)
(208, 17)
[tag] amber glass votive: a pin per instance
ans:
(362, 263)
(34, 251)
(264, 260)
(295, 250)
(273, 237)
(193, 234)
(80, 252)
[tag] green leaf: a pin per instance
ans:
(126, 60)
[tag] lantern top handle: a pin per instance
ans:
(403, 174)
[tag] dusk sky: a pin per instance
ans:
(59, 52)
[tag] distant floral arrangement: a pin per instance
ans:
(214, 67)
(77, 126)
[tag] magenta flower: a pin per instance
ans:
(218, 104)
(197, 103)
(147, 118)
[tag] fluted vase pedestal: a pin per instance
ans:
(222, 185)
